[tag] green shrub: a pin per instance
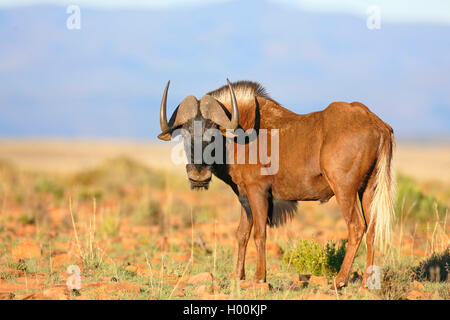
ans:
(87, 194)
(151, 214)
(26, 218)
(309, 257)
(411, 198)
(435, 268)
(50, 186)
(110, 226)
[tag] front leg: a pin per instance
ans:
(257, 197)
(242, 235)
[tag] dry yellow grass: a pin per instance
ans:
(424, 162)
(70, 155)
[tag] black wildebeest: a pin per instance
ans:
(344, 150)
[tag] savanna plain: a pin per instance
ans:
(123, 215)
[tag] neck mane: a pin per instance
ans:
(243, 90)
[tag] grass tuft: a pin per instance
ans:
(394, 284)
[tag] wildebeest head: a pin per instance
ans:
(193, 119)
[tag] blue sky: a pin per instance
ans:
(106, 79)
(413, 11)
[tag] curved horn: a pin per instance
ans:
(162, 113)
(235, 112)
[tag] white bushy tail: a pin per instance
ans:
(382, 206)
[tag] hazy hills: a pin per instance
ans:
(106, 79)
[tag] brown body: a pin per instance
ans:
(344, 150)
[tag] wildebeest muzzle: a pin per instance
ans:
(199, 177)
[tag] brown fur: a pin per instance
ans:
(324, 153)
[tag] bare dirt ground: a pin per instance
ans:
(123, 213)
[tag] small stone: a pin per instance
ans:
(218, 296)
(181, 257)
(263, 287)
(206, 289)
(11, 287)
(5, 273)
(273, 249)
(417, 285)
(163, 243)
(244, 284)
(201, 277)
(27, 249)
(179, 293)
(30, 296)
(139, 268)
(320, 281)
(56, 293)
(132, 268)
(415, 295)
(318, 296)
(61, 260)
(130, 287)
(128, 243)
(249, 285)
(6, 295)
(57, 215)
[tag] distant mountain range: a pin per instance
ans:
(106, 79)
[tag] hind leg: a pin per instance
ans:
(345, 164)
(366, 200)
(356, 227)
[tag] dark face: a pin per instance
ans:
(196, 139)
(195, 118)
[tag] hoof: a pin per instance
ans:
(236, 276)
(256, 280)
(338, 285)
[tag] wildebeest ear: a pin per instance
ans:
(187, 110)
(213, 110)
